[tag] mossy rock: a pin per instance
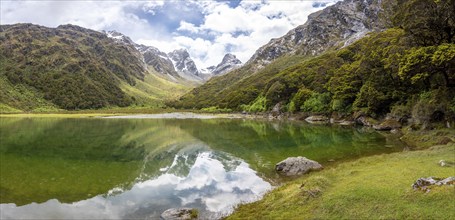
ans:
(388, 125)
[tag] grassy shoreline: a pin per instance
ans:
(375, 187)
(88, 114)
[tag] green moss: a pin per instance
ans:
(377, 187)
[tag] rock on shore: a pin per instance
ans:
(293, 166)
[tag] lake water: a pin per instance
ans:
(98, 168)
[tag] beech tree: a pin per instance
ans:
(429, 22)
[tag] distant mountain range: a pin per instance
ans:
(178, 63)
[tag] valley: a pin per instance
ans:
(172, 107)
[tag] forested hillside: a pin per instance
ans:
(70, 67)
(407, 69)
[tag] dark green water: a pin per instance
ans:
(137, 168)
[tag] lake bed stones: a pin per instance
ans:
(179, 214)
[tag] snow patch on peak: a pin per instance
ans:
(119, 37)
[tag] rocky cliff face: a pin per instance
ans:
(229, 62)
(184, 65)
(180, 66)
(176, 64)
(337, 25)
(158, 60)
(119, 37)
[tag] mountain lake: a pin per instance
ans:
(136, 168)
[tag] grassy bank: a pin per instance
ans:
(90, 112)
(377, 187)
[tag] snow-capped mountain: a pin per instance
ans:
(176, 64)
(184, 65)
(158, 60)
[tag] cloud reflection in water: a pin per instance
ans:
(212, 185)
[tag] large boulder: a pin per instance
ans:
(293, 166)
(277, 109)
(179, 214)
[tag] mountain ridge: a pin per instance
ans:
(177, 63)
(341, 23)
(337, 25)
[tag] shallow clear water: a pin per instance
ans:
(54, 168)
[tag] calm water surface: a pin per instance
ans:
(54, 168)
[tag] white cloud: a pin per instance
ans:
(241, 30)
(185, 26)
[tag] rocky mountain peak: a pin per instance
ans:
(229, 62)
(119, 37)
(335, 26)
(230, 58)
(179, 54)
(158, 60)
(184, 65)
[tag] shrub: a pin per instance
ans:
(258, 105)
(317, 103)
(432, 106)
(370, 99)
(299, 98)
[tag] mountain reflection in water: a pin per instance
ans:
(210, 186)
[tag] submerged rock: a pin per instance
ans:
(293, 166)
(347, 123)
(179, 214)
(317, 118)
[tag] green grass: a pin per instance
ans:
(155, 90)
(426, 138)
(377, 187)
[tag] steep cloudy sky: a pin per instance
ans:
(208, 29)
